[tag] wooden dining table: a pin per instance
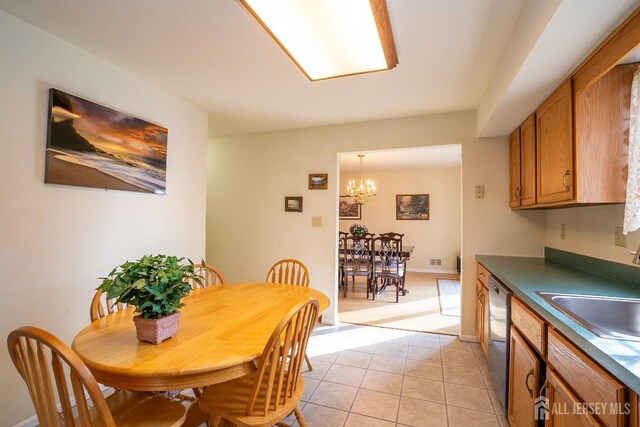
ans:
(222, 331)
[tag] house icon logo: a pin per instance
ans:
(541, 408)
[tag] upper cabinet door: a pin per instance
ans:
(514, 168)
(554, 146)
(528, 161)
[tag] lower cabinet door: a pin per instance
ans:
(563, 406)
(524, 382)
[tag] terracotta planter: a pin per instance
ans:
(157, 330)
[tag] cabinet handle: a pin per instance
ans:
(520, 192)
(526, 382)
(564, 180)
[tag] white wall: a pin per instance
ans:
(249, 176)
(57, 240)
(590, 231)
(438, 237)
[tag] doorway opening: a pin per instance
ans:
(418, 195)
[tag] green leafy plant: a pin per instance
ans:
(154, 284)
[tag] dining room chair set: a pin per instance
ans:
(378, 259)
(57, 379)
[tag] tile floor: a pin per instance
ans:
(375, 377)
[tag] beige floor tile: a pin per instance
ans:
(401, 340)
(459, 358)
(364, 348)
(337, 396)
(420, 388)
(343, 374)
(495, 400)
(460, 417)
(376, 404)
(418, 413)
(320, 368)
(504, 422)
(424, 340)
(460, 375)
(431, 371)
(468, 397)
(321, 416)
(424, 354)
(392, 350)
(456, 345)
(323, 353)
(310, 385)
(387, 364)
(354, 358)
(356, 420)
(382, 381)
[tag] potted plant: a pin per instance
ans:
(358, 229)
(154, 285)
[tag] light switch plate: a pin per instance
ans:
(479, 191)
(620, 239)
(316, 221)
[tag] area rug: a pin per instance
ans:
(449, 297)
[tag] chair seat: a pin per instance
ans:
(142, 409)
(234, 405)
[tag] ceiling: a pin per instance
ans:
(215, 54)
(405, 159)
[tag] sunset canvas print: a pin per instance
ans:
(89, 145)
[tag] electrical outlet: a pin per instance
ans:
(563, 231)
(479, 191)
(620, 239)
(316, 221)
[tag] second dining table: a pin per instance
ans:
(222, 331)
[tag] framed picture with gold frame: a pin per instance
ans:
(348, 208)
(293, 204)
(318, 181)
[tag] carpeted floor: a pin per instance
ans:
(419, 310)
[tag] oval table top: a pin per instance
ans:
(222, 330)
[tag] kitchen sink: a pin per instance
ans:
(608, 317)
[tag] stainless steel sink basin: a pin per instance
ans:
(608, 317)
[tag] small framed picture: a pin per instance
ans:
(349, 209)
(318, 181)
(293, 204)
(412, 206)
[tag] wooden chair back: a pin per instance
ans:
(387, 256)
(394, 236)
(102, 307)
(279, 367)
(54, 375)
(208, 274)
(357, 254)
(289, 271)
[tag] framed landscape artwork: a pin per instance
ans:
(293, 204)
(318, 181)
(412, 206)
(349, 209)
(89, 145)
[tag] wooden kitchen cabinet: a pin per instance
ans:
(522, 164)
(524, 382)
(554, 147)
(562, 403)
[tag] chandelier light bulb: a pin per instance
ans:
(364, 190)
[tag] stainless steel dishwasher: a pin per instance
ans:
(499, 337)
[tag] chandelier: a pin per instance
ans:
(364, 191)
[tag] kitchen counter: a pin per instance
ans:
(525, 276)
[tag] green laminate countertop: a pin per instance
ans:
(525, 276)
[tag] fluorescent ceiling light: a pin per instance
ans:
(330, 38)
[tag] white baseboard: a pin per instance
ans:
(29, 422)
(430, 270)
(469, 338)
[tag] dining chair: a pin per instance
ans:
(55, 375)
(403, 291)
(268, 395)
(388, 264)
(101, 306)
(341, 260)
(289, 271)
(357, 255)
(208, 274)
